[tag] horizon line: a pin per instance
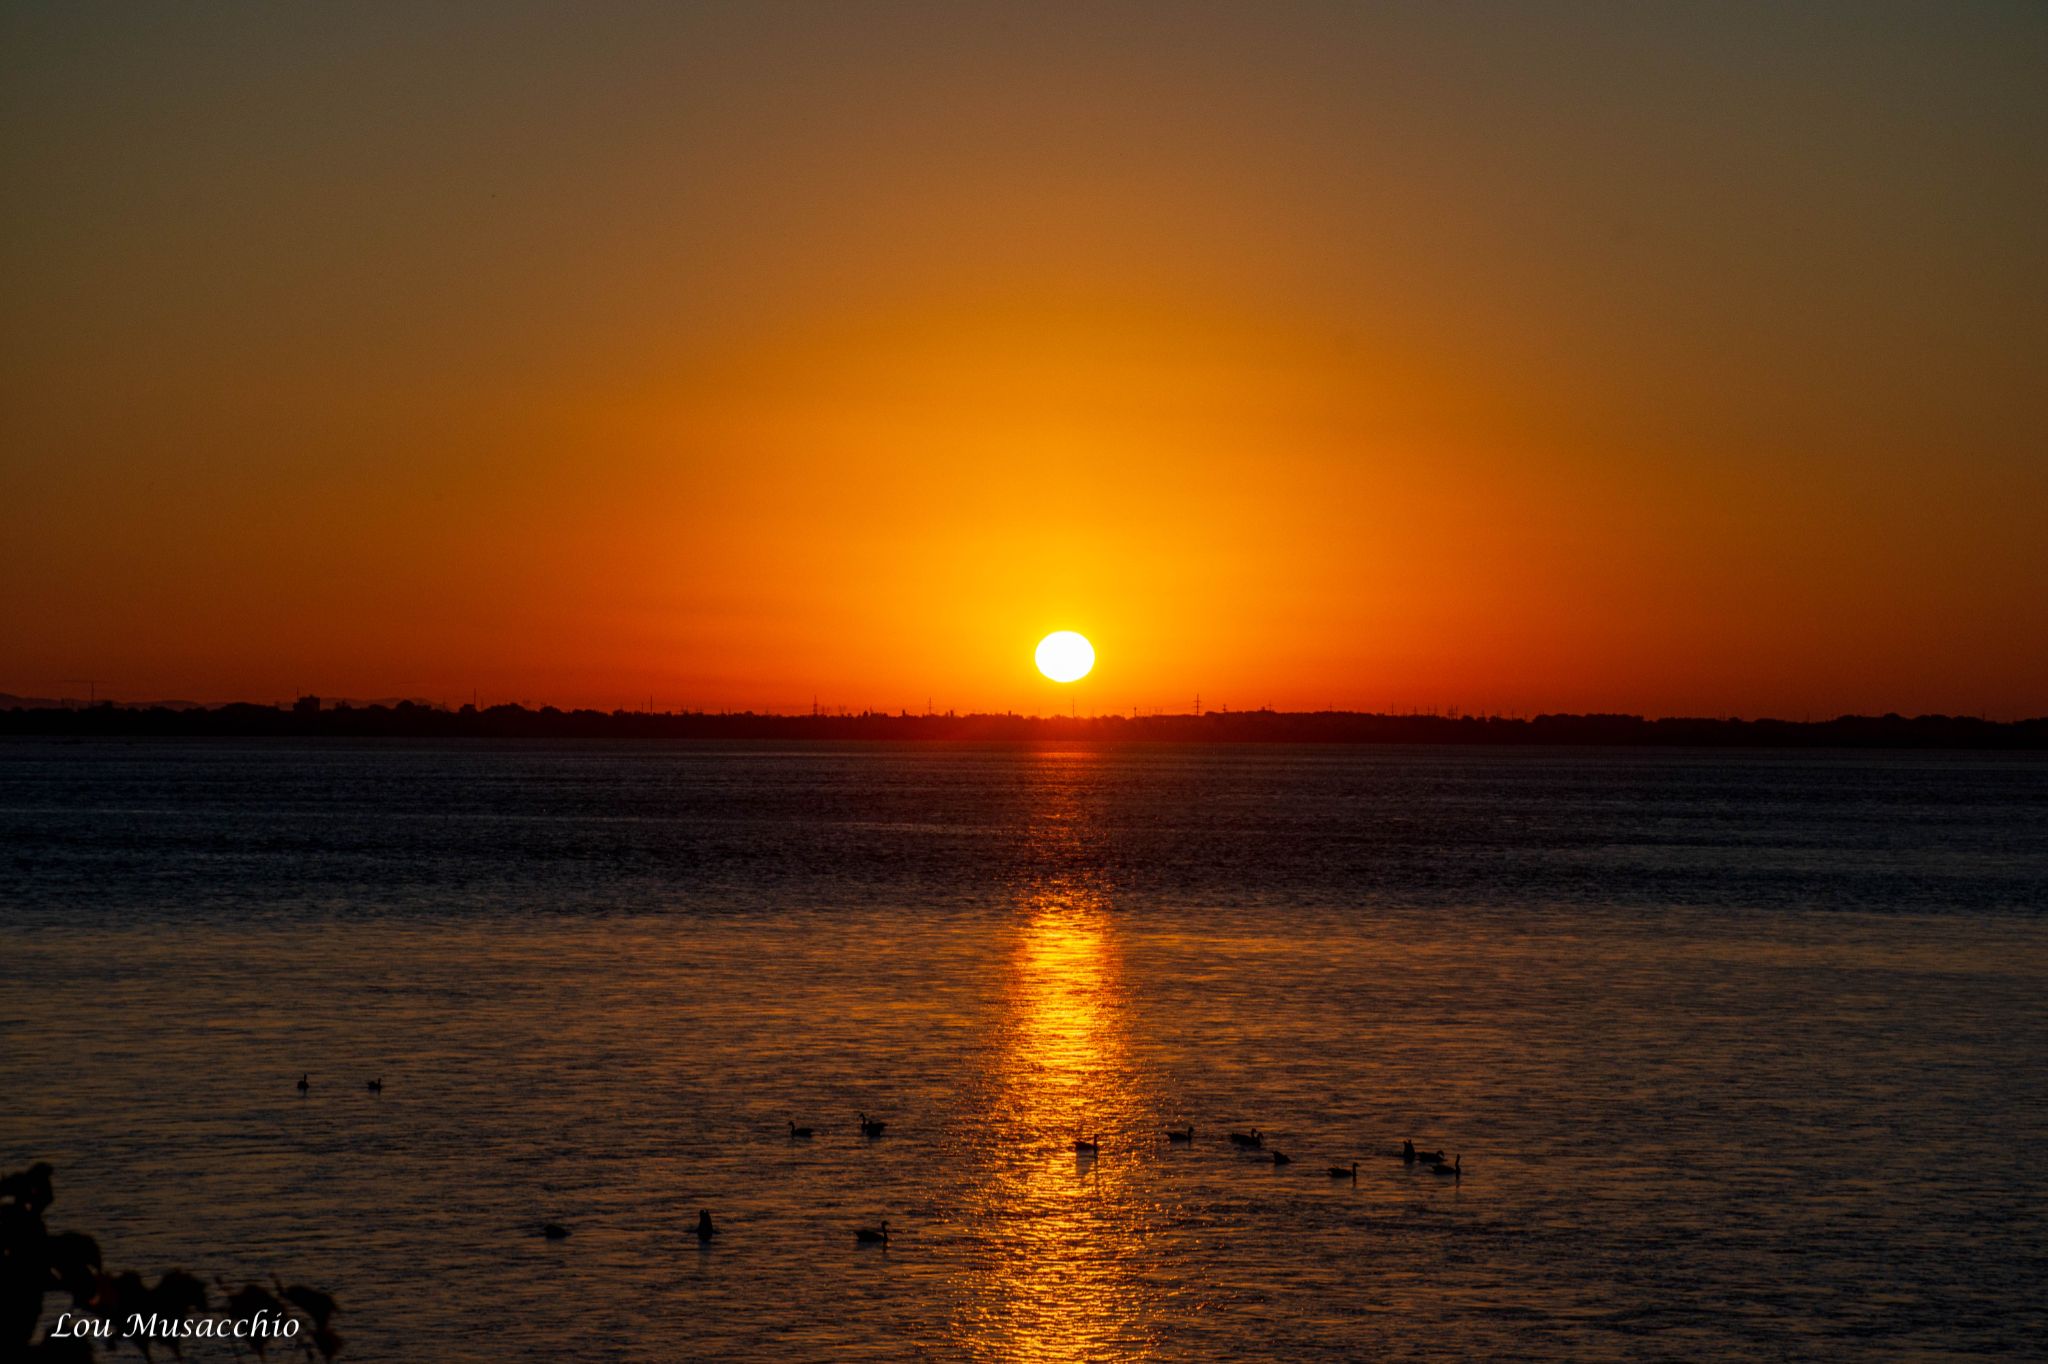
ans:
(20, 702)
(309, 704)
(404, 717)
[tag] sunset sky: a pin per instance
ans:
(1652, 358)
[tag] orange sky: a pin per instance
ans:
(1685, 361)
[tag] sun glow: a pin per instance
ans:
(1065, 656)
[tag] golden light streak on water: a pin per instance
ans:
(1064, 1228)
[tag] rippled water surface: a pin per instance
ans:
(1746, 1055)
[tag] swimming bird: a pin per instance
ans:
(1087, 1148)
(554, 1231)
(705, 1231)
(1455, 1169)
(1184, 1136)
(1282, 1158)
(1252, 1140)
(376, 1086)
(800, 1133)
(1432, 1157)
(1339, 1172)
(871, 1129)
(305, 1083)
(867, 1236)
(1408, 1152)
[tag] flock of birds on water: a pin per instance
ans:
(1084, 1148)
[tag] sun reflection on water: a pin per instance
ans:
(1063, 1232)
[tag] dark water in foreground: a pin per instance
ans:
(1746, 1054)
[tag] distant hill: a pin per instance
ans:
(407, 719)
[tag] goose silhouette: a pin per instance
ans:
(1184, 1136)
(868, 1236)
(1339, 1172)
(871, 1129)
(800, 1133)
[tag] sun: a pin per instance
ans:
(1065, 656)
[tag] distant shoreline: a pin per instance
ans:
(407, 720)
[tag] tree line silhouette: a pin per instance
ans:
(308, 718)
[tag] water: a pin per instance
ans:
(1744, 1053)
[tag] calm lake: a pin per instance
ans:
(1745, 1054)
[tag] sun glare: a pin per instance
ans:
(1065, 656)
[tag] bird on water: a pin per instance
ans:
(376, 1086)
(800, 1133)
(1250, 1141)
(1087, 1148)
(1454, 1169)
(871, 1129)
(305, 1083)
(1282, 1158)
(554, 1231)
(1339, 1172)
(705, 1231)
(1182, 1136)
(868, 1236)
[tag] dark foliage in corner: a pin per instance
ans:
(35, 1262)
